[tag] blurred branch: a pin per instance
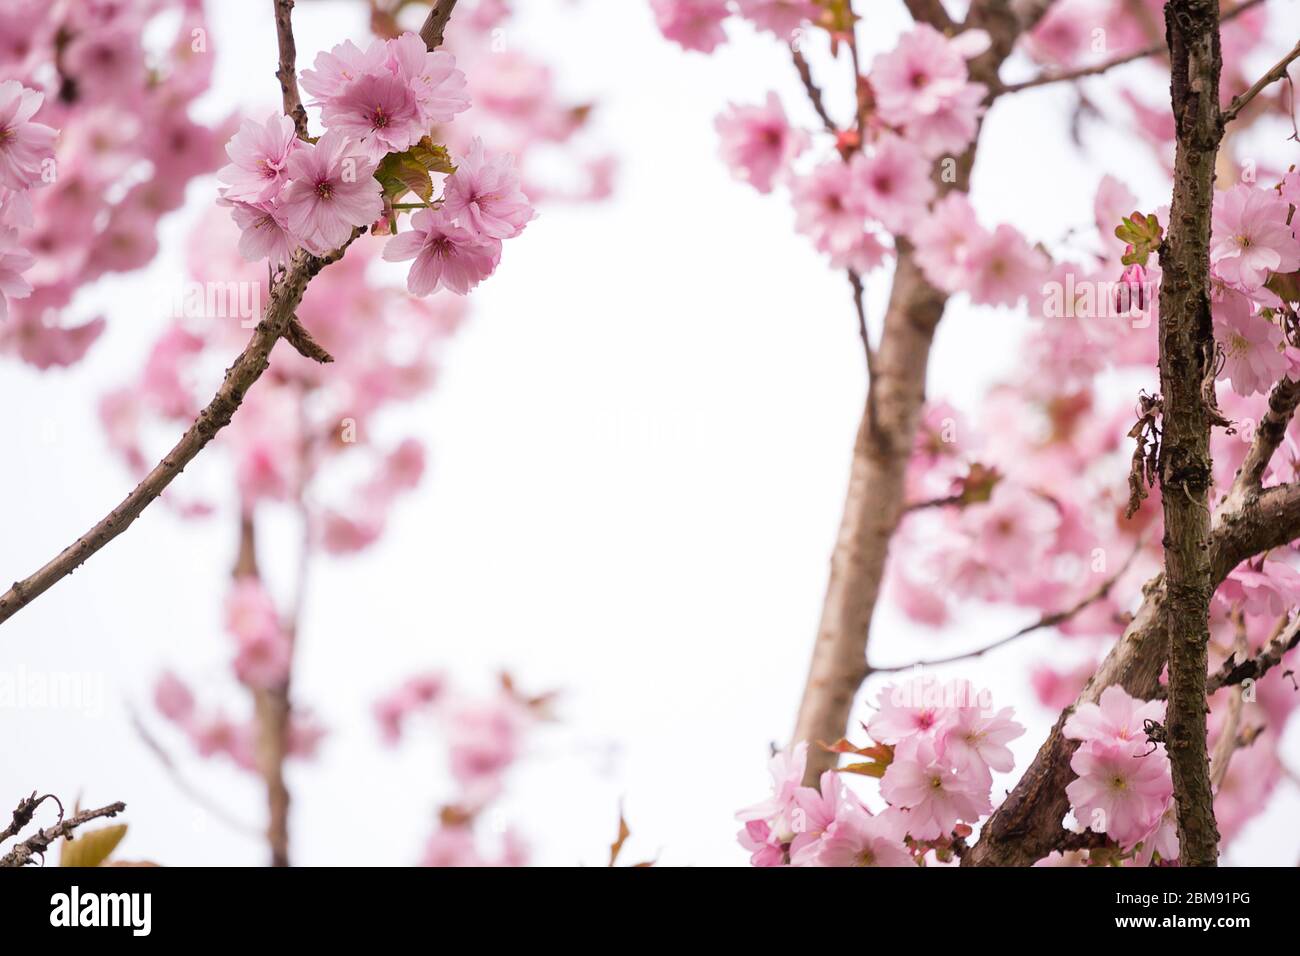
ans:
(201, 799)
(1054, 619)
(1155, 49)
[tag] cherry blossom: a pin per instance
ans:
(1251, 237)
(331, 191)
(758, 143)
(446, 255)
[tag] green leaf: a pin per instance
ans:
(1143, 235)
(91, 847)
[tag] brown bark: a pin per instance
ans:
(1187, 359)
(1027, 825)
(271, 714)
(874, 503)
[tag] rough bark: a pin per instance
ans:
(1027, 825)
(1187, 360)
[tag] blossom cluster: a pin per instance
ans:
(214, 733)
(938, 744)
(1253, 240)
(1124, 788)
(287, 192)
(922, 109)
(117, 80)
(26, 161)
(485, 737)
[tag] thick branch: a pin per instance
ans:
(38, 843)
(1187, 357)
(1026, 827)
(874, 502)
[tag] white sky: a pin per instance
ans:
(639, 450)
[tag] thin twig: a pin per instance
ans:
(200, 798)
(247, 369)
(1155, 49)
(813, 90)
(1272, 76)
(39, 842)
(23, 814)
(1054, 619)
(287, 73)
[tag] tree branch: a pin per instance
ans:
(1054, 619)
(1272, 76)
(287, 73)
(286, 294)
(1079, 73)
(931, 12)
(38, 843)
(1282, 402)
(1187, 356)
(1025, 828)
(874, 500)
(436, 23)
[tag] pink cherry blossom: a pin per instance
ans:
(432, 78)
(1251, 238)
(1252, 344)
(814, 814)
(259, 160)
(943, 240)
(918, 706)
(24, 145)
(14, 261)
(786, 769)
(262, 659)
(893, 183)
(695, 24)
(1269, 590)
(976, 741)
(828, 208)
(264, 232)
(484, 197)
(333, 70)
(935, 796)
(332, 190)
(917, 77)
(173, 698)
(857, 838)
(1118, 790)
(446, 255)
(379, 111)
(1116, 718)
(1003, 268)
(757, 142)
(781, 17)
